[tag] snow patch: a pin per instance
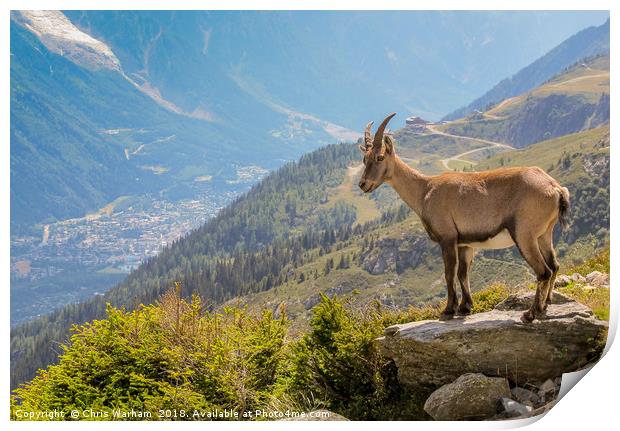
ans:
(60, 36)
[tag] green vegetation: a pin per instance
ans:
(600, 262)
(250, 246)
(595, 298)
(167, 356)
(176, 355)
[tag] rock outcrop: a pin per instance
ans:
(470, 397)
(62, 37)
(594, 279)
(393, 254)
(433, 353)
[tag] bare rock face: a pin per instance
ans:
(432, 353)
(472, 396)
(60, 36)
(392, 254)
(598, 279)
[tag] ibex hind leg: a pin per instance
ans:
(530, 251)
(545, 243)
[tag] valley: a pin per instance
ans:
(77, 258)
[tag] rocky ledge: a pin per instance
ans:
(432, 353)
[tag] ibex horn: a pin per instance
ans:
(378, 141)
(368, 134)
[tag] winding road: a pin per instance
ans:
(490, 144)
(353, 171)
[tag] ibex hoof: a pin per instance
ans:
(527, 317)
(548, 302)
(464, 310)
(446, 316)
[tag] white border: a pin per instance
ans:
(590, 405)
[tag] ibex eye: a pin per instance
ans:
(380, 158)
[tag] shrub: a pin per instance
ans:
(168, 356)
(338, 363)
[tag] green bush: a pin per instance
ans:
(597, 299)
(338, 363)
(175, 356)
(168, 356)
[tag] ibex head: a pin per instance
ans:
(378, 156)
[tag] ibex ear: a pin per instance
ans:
(389, 144)
(363, 148)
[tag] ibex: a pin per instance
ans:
(475, 210)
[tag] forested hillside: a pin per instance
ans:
(243, 249)
(178, 360)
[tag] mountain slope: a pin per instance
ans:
(306, 228)
(576, 99)
(305, 61)
(587, 43)
(82, 136)
(154, 102)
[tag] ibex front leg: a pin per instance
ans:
(449, 252)
(466, 255)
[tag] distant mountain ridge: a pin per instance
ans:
(190, 57)
(83, 133)
(201, 94)
(574, 100)
(589, 42)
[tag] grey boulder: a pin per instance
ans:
(597, 279)
(432, 353)
(525, 396)
(470, 397)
